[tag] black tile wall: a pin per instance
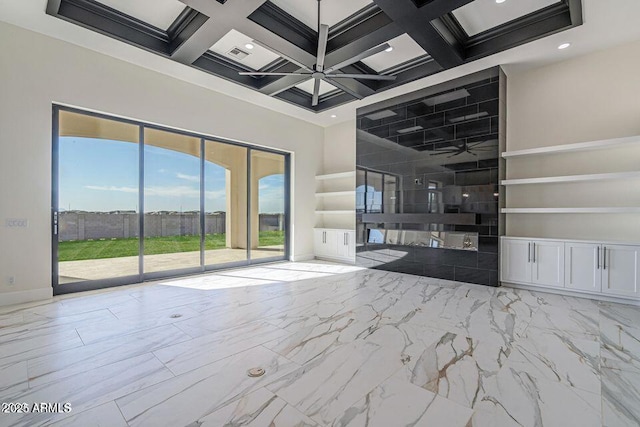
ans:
(449, 142)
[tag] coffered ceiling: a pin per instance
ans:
(227, 37)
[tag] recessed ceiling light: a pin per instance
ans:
(333, 116)
(468, 117)
(411, 129)
(447, 97)
(381, 115)
(500, 1)
(389, 49)
(564, 46)
(249, 46)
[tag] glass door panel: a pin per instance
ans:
(171, 201)
(374, 192)
(225, 204)
(268, 200)
(390, 194)
(97, 199)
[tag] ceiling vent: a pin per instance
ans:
(237, 53)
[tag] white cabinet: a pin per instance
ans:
(582, 271)
(620, 268)
(587, 267)
(547, 263)
(516, 260)
(533, 262)
(325, 242)
(610, 269)
(346, 244)
(335, 244)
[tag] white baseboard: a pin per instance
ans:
(301, 258)
(11, 298)
(570, 293)
(350, 261)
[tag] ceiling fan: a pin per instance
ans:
(318, 72)
(465, 147)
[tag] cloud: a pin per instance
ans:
(192, 178)
(173, 191)
(112, 188)
(218, 194)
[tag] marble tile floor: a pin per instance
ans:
(341, 346)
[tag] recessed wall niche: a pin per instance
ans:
(427, 185)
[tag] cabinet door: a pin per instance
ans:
(620, 270)
(331, 243)
(318, 242)
(547, 263)
(343, 248)
(516, 261)
(325, 242)
(582, 266)
(351, 244)
(346, 244)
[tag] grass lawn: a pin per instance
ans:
(98, 249)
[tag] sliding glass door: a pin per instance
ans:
(96, 220)
(268, 205)
(225, 204)
(132, 202)
(171, 202)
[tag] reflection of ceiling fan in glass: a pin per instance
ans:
(473, 148)
(319, 73)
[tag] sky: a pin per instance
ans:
(102, 175)
(374, 198)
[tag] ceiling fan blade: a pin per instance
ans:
(257, 73)
(487, 142)
(362, 76)
(462, 152)
(344, 88)
(288, 58)
(316, 92)
(323, 37)
(363, 55)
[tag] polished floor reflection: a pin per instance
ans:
(341, 346)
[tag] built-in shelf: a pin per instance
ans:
(335, 200)
(338, 175)
(566, 148)
(338, 212)
(570, 210)
(572, 178)
(336, 194)
(426, 218)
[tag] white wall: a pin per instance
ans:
(36, 71)
(340, 147)
(593, 97)
(339, 156)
